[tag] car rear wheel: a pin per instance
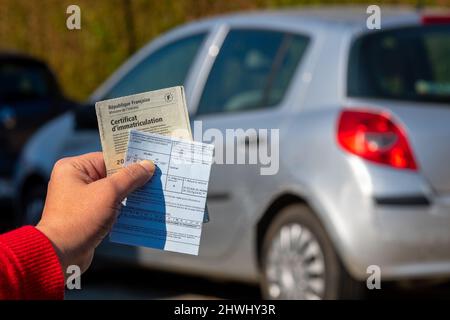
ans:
(299, 260)
(33, 205)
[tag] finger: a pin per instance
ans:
(87, 167)
(131, 177)
(95, 164)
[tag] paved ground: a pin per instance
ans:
(127, 282)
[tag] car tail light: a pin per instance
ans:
(375, 137)
(436, 19)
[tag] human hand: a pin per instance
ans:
(82, 204)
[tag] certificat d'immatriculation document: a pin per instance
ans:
(161, 111)
(167, 212)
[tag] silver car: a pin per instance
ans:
(363, 187)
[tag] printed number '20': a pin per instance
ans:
(120, 162)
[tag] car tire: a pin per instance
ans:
(299, 261)
(32, 205)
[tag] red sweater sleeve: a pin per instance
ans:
(29, 266)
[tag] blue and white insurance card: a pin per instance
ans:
(166, 213)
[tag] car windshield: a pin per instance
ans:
(411, 64)
(22, 81)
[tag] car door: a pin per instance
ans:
(245, 89)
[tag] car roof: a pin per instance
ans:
(352, 17)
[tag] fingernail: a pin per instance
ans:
(148, 165)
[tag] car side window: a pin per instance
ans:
(166, 67)
(253, 70)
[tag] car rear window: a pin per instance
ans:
(411, 64)
(21, 81)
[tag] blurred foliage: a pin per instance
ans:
(111, 30)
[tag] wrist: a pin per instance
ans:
(53, 237)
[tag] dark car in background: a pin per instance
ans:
(29, 97)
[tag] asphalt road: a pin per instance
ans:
(117, 281)
(128, 282)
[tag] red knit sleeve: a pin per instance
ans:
(29, 266)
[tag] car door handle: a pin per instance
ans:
(219, 196)
(248, 141)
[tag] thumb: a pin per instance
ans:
(131, 177)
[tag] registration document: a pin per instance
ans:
(161, 111)
(167, 212)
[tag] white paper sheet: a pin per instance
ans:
(167, 213)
